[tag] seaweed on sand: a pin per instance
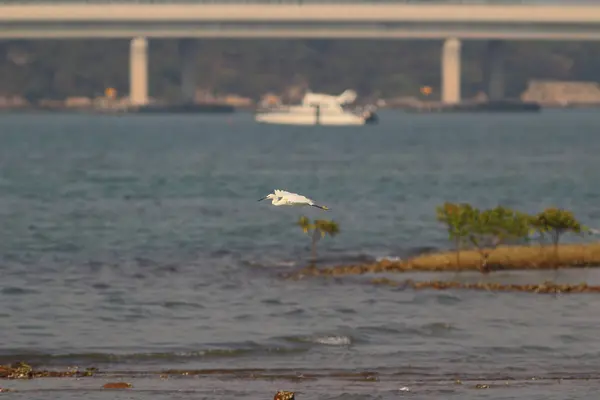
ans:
(21, 370)
(545, 287)
(284, 395)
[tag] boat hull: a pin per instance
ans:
(287, 119)
(311, 118)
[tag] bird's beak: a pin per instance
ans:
(262, 198)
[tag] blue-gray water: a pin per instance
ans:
(135, 243)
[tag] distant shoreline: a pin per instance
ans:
(200, 108)
(207, 108)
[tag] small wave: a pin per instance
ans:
(522, 349)
(269, 264)
(433, 329)
(437, 329)
(412, 252)
(329, 340)
(334, 340)
(399, 255)
(286, 263)
(151, 357)
(388, 258)
(182, 304)
(301, 261)
(423, 250)
(355, 396)
(341, 258)
(346, 258)
(448, 299)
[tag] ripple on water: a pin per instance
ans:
(18, 291)
(182, 305)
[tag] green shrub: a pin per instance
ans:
(555, 222)
(491, 228)
(456, 218)
(319, 228)
(488, 229)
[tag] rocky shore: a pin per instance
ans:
(538, 94)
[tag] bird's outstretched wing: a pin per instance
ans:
(293, 197)
(297, 199)
(281, 193)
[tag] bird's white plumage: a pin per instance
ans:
(293, 198)
(284, 198)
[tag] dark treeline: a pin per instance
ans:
(383, 68)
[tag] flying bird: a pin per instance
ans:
(283, 198)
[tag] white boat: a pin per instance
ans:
(318, 109)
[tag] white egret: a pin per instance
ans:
(283, 198)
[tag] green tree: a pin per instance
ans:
(555, 222)
(491, 228)
(319, 228)
(456, 217)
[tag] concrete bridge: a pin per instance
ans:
(451, 21)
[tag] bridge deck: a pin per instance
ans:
(335, 18)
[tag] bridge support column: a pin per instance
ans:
(493, 69)
(451, 71)
(188, 51)
(138, 71)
